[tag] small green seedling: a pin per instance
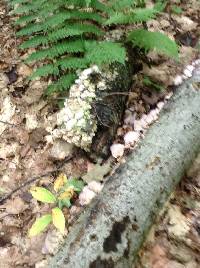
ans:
(64, 191)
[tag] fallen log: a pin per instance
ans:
(112, 229)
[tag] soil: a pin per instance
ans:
(27, 159)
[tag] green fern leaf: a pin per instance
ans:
(143, 14)
(26, 19)
(138, 15)
(30, 29)
(45, 71)
(105, 52)
(85, 15)
(72, 63)
(34, 42)
(74, 30)
(38, 55)
(100, 6)
(50, 22)
(28, 7)
(14, 2)
(122, 4)
(154, 40)
(64, 83)
(58, 50)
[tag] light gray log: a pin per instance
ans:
(112, 229)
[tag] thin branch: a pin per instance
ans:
(33, 179)
(7, 123)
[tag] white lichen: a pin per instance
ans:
(77, 121)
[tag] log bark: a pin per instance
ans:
(108, 108)
(112, 229)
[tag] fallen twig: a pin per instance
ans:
(33, 179)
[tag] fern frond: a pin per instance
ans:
(96, 4)
(72, 63)
(62, 84)
(154, 40)
(15, 2)
(45, 70)
(30, 29)
(138, 15)
(68, 33)
(105, 52)
(34, 42)
(49, 23)
(30, 6)
(143, 14)
(86, 15)
(122, 4)
(26, 19)
(58, 50)
(75, 29)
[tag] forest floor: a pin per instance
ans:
(27, 159)
(174, 239)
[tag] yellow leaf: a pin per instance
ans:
(58, 219)
(59, 182)
(40, 224)
(68, 194)
(43, 195)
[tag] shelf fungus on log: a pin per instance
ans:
(94, 108)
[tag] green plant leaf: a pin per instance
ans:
(40, 224)
(43, 195)
(64, 203)
(154, 40)
(58, 219)
(77, 184)
(105, 52)
(137, 15)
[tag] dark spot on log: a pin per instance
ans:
(93, 237)
(135, 227)
(99, 206)
(127, 250)
(98, 263)
(110, 243)
(66, 260)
